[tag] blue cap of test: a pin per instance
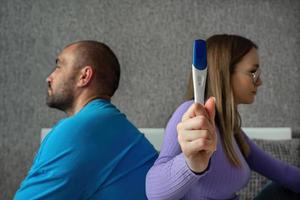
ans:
(199, 54)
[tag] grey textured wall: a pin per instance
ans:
(153, 41)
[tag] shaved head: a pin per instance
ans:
(103, 60)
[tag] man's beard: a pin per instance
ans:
(62, 100)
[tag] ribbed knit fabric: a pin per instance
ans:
(171, 178)
(274, 169)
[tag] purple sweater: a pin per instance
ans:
(171, 178)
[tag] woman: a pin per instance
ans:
(205, 154)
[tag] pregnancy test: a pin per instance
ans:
(199, 70)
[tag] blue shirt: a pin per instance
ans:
(95, 154)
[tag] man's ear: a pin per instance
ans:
(85, 76)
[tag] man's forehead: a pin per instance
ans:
(67, 53)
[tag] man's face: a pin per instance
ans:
(62, 81)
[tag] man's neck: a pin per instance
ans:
(80, 103)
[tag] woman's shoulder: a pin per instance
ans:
(183, 107)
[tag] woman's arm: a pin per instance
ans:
(274, 169)
(171, 176)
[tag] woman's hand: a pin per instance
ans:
(197, 136)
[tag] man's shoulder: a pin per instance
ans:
(92, 121)
(91, 114)
(95, 112)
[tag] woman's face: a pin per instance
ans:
(245, 78)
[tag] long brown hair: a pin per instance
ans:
(223, 53)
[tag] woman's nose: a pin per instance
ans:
(259, 82)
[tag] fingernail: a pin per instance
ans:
(214, 98)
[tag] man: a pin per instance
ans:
(94, 153)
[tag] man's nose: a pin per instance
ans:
(50, 77)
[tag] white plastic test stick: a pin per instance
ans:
(199, 70)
